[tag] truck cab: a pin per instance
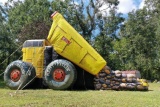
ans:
(33, 52)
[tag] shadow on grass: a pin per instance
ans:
(2, 84)
(80, 89)
(150, 90)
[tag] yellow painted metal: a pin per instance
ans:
(35, 56)
(71, 45)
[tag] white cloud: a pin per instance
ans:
(126, 6)
(104, 9)
(3, 1)
(141, 4)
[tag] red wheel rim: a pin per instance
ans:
(15, 75)
(59, 75)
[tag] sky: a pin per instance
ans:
(125, 6)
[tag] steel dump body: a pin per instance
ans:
(70, 44)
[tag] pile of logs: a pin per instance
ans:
(118, 80)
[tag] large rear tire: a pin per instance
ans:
(18, 74)
(60, 74)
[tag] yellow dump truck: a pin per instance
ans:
(62, 61)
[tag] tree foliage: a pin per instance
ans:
(29, 19)
(7, 43)
(103, 42)
(140, 45)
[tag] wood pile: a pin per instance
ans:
(118, 80)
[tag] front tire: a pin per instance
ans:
(60, 74)
(18, 74)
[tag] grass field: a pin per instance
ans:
(89, 98)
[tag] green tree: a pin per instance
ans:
(29, 19)
(155, 12)
(7, 43)
(104, 41)
(139, 32)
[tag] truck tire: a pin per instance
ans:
(18, 74)
(60, 74)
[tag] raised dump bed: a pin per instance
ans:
(70, 44)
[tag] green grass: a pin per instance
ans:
(90, 98)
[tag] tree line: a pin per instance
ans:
(130, 43)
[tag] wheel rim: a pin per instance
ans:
(59, 75)
(15, 75)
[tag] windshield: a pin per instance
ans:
(33, 43)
